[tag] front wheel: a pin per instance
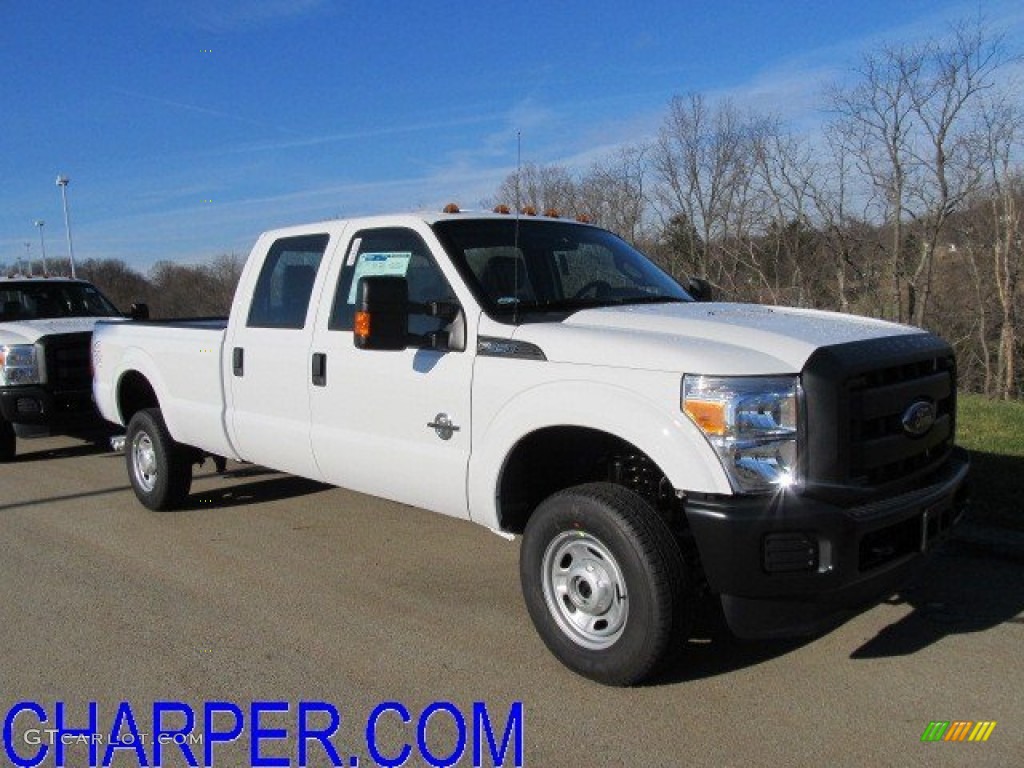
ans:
(604, 582)
(160, 469)
(7, 440)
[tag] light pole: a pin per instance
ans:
(42, 246)
(62, 182)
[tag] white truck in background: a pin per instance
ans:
(542, 378)
(45, 381)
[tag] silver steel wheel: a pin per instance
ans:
(584, 589)
(144, 462)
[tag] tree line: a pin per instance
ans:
(168, 288)
(906, 205)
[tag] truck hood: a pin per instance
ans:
(30, 331)
(711, 338)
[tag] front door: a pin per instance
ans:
(393, 424)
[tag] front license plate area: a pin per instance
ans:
(935, 521)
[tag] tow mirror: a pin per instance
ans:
(700, 289)
(139, 311)
(382, 313)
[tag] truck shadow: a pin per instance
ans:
(93, 441)
(272, 486)
(967, 587)
(713, 650)
(976, 581)
(64, 452)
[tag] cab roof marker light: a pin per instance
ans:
(452, 208)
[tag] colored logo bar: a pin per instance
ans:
(958, 730)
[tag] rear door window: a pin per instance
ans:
(285, 284)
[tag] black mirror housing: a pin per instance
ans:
(139, 311)
(700, 289)
(382, 313)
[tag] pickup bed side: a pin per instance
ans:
(175, 366)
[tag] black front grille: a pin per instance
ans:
(858, 398)
(881, 449)
(67, 361)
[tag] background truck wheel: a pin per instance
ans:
(604, 582)
(160, 469)
(7, 440)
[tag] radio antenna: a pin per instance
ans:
(515, 242)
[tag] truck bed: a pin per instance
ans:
(183, 358)
(210, 323)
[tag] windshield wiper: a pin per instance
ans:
(652, 300)
(574, 304)
(559, 305)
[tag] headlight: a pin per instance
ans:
(753, 423)
(18, 365)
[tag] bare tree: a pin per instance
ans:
(907, 121)
(875, 128)
(702, 163)
(958, 71)
(122, 284)
(1003, 120)
(845, 236)
(540, 187)
(612, 192)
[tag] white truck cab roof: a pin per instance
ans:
(33, 307)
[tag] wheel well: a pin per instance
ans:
(554, 458)
(134, 392)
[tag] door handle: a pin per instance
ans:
(319, 369)
(238, 361)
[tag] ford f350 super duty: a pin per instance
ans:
(45, 381)
(542, 378)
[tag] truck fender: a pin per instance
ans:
(138, 361)
(672, 441)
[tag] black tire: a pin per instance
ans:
(8, 441)
(160, 470)
(605, 583)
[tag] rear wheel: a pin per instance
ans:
(160, 469)
(7, 440)
(604, 582)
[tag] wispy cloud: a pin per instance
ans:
(199, 109)
(244, 14)
(300, 142)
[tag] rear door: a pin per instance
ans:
(267, 355)
(394, 424)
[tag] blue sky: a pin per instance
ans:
(187, 128)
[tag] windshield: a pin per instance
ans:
(46, 299)
(520, 269)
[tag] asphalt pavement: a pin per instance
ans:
(273, 605)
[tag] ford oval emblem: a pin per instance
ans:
(918, 418)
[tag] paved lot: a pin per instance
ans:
(272, 588)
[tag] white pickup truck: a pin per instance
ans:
(45, 381)
(541, 377)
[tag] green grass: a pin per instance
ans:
(993, 431)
